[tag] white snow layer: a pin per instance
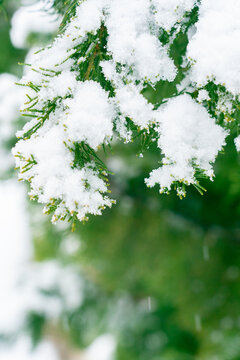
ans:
(90, 116)
(32, 19)
(169, 12)
(214, 48)
(237, 143)
(131, 41)
(188, 137)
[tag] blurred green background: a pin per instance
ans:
(161, 274)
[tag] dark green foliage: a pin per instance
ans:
(8, 53)
(35, 324)
(66, 8)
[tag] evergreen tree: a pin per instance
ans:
(158, 273)
(95, 84)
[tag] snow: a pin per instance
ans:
(237, 143)
(213, 48)
(64, 84)
(188, 137)
(203, 95)
(131, 42)
(130, 39)
(32, 19)
(169, 12)
(90, 15)
(90, 116)
(78, 190)
(134, 105)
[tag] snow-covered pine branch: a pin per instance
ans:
(86, 89)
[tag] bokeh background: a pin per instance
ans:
(153, 278)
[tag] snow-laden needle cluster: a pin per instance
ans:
(88, 87)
